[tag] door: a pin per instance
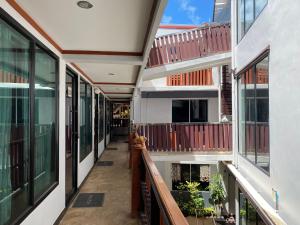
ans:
(71, 134)
(96, 126)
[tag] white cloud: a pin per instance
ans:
(166, 19)
(190, 10)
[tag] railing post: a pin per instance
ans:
(137, 174)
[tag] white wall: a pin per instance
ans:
(277, 27)
(54, 203)
(159, 110)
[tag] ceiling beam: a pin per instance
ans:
(186, 66)
(119, 85)
(106, 59)
(158, 11)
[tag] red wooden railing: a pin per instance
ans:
(151, 199)
(187, 137)
(191, 44)
(198, 77)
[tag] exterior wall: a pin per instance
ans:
(275, 28)
(54, 203)
(159, 110)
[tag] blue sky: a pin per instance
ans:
(188, 12)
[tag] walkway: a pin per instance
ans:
(115, 182)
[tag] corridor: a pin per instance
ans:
(115, 182)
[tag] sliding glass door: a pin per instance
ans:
(14, 123)
(28, 121)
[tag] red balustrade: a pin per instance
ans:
(187, 137)
(191, 44)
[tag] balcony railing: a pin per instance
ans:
(189, 45)
(193, 78)
(178, 137)
(151, 198)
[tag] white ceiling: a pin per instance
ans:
(111, 25)
(99, 72)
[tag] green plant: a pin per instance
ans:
(195, 199)
(217, 192)
(208, 211)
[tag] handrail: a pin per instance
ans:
(167, 201)
(151, 198)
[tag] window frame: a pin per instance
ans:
(265, 53)
(34, 42)
(189, 108)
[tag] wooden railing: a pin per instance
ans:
(187, 137)
(189, 45)
(193, 78)
(151, 198)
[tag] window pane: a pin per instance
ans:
(262, 114)
(45, 122)
(101, 117)
(241, 19)
(250, 115)
(180, 111)
(14, 123)
(259, 5)
(249, 13)
(242, 209)
(85, 119)
(251, 214)
(198, 111)
(241, 114)
(107, 116)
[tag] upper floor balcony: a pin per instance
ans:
(191, 44)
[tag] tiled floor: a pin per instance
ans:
(115, 182)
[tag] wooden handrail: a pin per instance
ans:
(171, 208)
(151, 197)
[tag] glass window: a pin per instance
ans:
(250, 114)
(107, 116)
(241, 19)
(248, 11)
(259, 6)
(45, 121)
(198, 109)
(14, 123)
(253, 94)
(262, 114)
(17, 124)
(101, 117)
(190, 172)
(180, 111)
(85, 119)
(248, 214)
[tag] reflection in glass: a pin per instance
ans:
(85, 119)
(101, 117)
(259, 5)
(249, 13)
(253, 113)
(45, 119)
(198, 111)
(14, 123)
(262, 114)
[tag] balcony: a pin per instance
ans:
(181, 137)
(201, 42)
